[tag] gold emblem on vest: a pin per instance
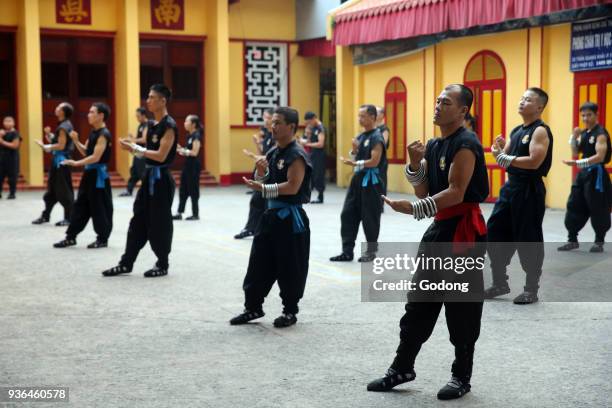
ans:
(525, 139)
(366, 143)
(592, 139)
(280, 164)
(442, 163)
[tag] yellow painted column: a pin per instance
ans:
(346, 98)
(29, 89)
(217, 119)
(430, 91)
(127, 79)
(535, 53)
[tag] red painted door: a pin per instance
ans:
(7, 76)
(79, 71)
(178, 65)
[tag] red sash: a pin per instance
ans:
(471, 223)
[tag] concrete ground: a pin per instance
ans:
(135, 342)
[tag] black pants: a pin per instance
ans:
(362, 205)
(190, 186)
(95, 203)
(257, 206)
(59, 189)
(586, 201)
(383, 177)
(317, 158)
(515, 225)
(463, 316)
(9, 168)
(277, 255)
(137, 172)
(152, 221)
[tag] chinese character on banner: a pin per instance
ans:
(168, 14)
(73, 11)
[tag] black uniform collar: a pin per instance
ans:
(455, 133)
(532, 123)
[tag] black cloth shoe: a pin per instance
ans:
(342, 258)
(156, 272)
(596, 248)
(40, 220)
(568, 246)
(246, 317)
(496, 290)
(65, 243)
(62, 223)
(317, 201)
(526, 298)
(390, 380)
(116, 270)
(97, 244)
(177, 217)
(285, 320)
(454, 389)
(244, 234)
(367, 258)
(11, 197)
(193, 218)
(125, 194)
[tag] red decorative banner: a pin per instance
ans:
(73, 11)
(168, 14)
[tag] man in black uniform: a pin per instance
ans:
(515, 224)
(94, 199)
(591, 194)
(281, 246)
(138, 164)
(316, 143)
(363, 203)
(386, 133)
(152, 219)
(59, 183)
(9, 155)
(264, 142)
(450, 178)
(190, 175)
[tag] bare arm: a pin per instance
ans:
(142, 140)
(385, 135)
(538, 147)
(164, 147)
(82, 148)
(373, 161)
(93, 158)
(62, 139)
(601, 148)
(320, 144)
(11, 145)
(459, 176)
(195, 148)
(295, 176)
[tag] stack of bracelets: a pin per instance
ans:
(267, 190)
(504, 160)
(426, 207)
(583, 163)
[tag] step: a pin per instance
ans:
(206, 179)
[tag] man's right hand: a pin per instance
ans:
(576, 132)
(355, 144)
(262, 166)
(416, 152)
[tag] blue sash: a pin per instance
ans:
(285, 210)
(371, 175)
(154, 175)
(58, 157)
(600, 175)
(102, 173)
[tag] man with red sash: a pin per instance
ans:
(450, 179)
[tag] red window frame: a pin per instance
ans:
(393, 97)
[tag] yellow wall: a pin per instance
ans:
(103, 16)
(10, 13)
(195, 18)
(263, 19)
(374, 79)
(558, 81)
(425, 73)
